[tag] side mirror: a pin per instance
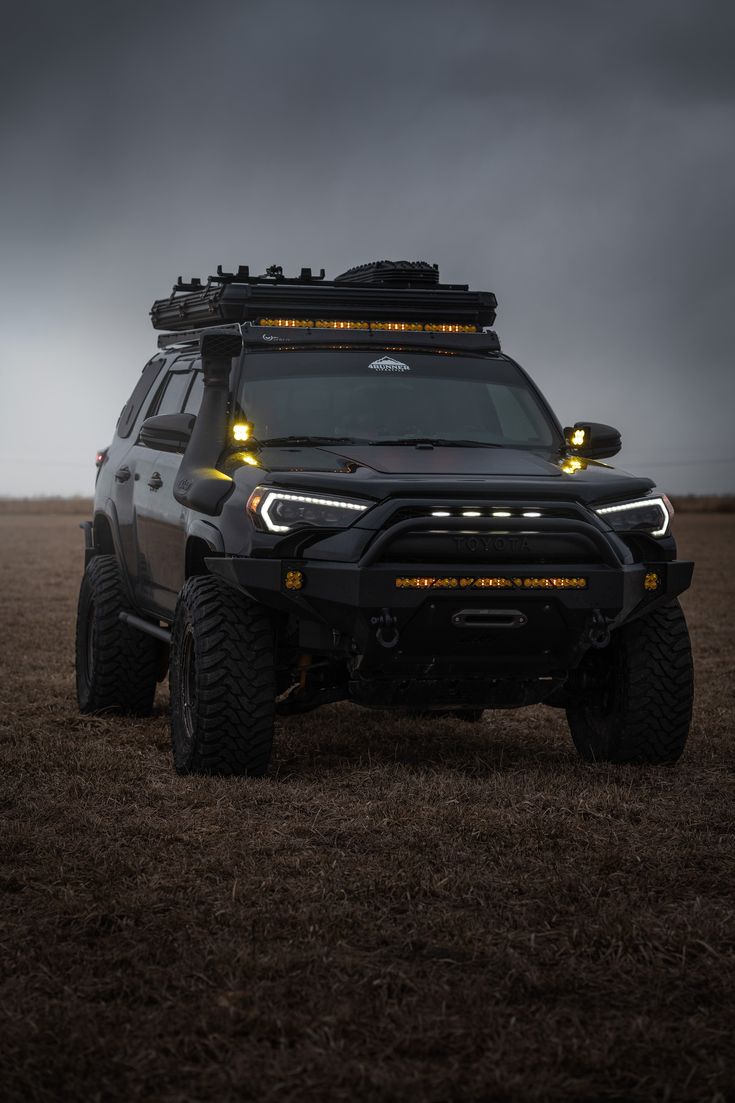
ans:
(592, 440)
(167, 432)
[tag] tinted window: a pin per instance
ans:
(514, 412)
(373, 395)
(131, 409)
(194, 397)
(170, 397)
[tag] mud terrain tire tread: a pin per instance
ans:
(124, 662)
(648, 716)
(233, 650)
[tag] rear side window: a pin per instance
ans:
(131, 409)
(170, 397)
(194, 397)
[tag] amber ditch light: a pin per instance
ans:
(576, 436)
(242, 431)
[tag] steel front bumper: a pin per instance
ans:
(403, 616)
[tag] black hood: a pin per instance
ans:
(379, 471)
(425, 460)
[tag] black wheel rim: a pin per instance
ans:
(188, 686)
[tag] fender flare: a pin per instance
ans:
(209, 533)
(109, 512)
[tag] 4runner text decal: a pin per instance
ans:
(387, 363)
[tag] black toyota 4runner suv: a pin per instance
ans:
(344, 490)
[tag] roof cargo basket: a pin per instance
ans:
(383, 294)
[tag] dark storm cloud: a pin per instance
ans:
(575, 157)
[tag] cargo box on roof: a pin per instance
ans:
(381, 295)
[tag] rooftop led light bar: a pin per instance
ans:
(403, 296)
(400, 327)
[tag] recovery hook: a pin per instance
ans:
(386, 629)
(599, 631)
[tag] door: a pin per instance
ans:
(160, 519)
(128, 461)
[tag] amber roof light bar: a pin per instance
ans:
(255, 336)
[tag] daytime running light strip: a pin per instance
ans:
(644, 503)
(278, 495)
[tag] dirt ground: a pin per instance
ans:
(403, 910)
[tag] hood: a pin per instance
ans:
(377, 471)
(427, 460)
(411, 460)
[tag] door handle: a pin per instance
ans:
(155, 482)
(122, 474)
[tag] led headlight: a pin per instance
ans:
(650, 515)
(281, 510)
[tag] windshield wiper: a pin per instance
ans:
(307, 440)
(440, 441)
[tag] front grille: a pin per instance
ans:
(497, 511)
(476, 548)
(478, 534)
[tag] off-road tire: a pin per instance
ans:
(116, 665)
(636, 705)
(223, 687)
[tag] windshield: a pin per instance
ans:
(372, 397)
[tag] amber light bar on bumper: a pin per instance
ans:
(395, 327)
(501, 583)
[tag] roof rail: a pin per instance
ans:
(267, 336)
(194, 336)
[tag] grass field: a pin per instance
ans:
(403, 910)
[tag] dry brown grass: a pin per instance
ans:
(403, 910)
(45, 506)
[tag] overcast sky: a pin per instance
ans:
(576, 158)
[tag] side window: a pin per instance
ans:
(131, 409)
(170, 396)
(194, 397)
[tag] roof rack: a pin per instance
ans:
(383, 292)
(256, 336)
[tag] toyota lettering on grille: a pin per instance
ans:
(477, 544)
